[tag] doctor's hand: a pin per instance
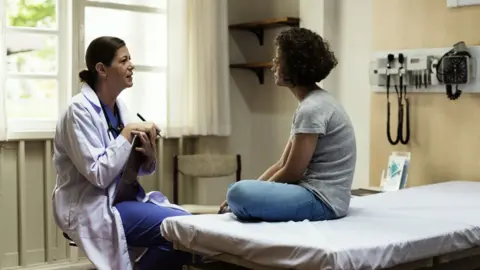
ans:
(148, 128)
(148, 146)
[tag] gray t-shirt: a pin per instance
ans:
(330, 172)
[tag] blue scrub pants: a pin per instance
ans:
(141, 222)
(270, 201)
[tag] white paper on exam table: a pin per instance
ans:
(381, 230)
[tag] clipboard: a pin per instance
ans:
(128, 186)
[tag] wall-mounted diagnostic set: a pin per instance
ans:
(448, 70)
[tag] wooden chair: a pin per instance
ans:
(204, 166)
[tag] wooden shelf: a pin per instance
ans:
(268, 23)
(257, 68)
(258, 27)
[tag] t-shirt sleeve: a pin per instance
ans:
(310, 119)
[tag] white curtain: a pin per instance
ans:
(3, 71)
(197, 97)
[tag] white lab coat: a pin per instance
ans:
(87, 162)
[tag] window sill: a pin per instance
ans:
(30, 135)
(30, 129)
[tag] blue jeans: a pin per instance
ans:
(141, 222)
(271, 201)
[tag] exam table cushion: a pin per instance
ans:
(380, 231)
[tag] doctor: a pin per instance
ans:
(92, 143)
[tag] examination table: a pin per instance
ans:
(435, 226)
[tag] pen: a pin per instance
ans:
(143, 119)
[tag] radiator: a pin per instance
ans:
(29, 237)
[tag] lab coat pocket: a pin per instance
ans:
(72, 219)
(95, 222)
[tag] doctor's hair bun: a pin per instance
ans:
(307, 58)
(85, 76)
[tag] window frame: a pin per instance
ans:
(3, 69)
(79, 32)
(30, 128)
(70, 32)
(79, 35)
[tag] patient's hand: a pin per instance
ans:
(223, 207)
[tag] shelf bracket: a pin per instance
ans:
(260, 72)
(259, 32)
(257, 68)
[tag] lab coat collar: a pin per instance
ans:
(91, 96)
(93, 99)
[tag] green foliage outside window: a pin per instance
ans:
(31, 14)
(27, 13)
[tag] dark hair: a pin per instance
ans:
(307, 58)
(100, 50)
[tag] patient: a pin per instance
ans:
(313, 178)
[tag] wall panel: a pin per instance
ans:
(445, 135)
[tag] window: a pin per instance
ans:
(36, 84)
(45, 48)
(142, 24)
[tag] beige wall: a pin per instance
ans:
(444, 138)
(354, 46)
(346, 24)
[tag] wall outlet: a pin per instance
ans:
(420, 72)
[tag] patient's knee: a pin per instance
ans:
(238, 193)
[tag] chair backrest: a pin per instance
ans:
(205, 166)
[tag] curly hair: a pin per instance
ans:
(306, 56)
